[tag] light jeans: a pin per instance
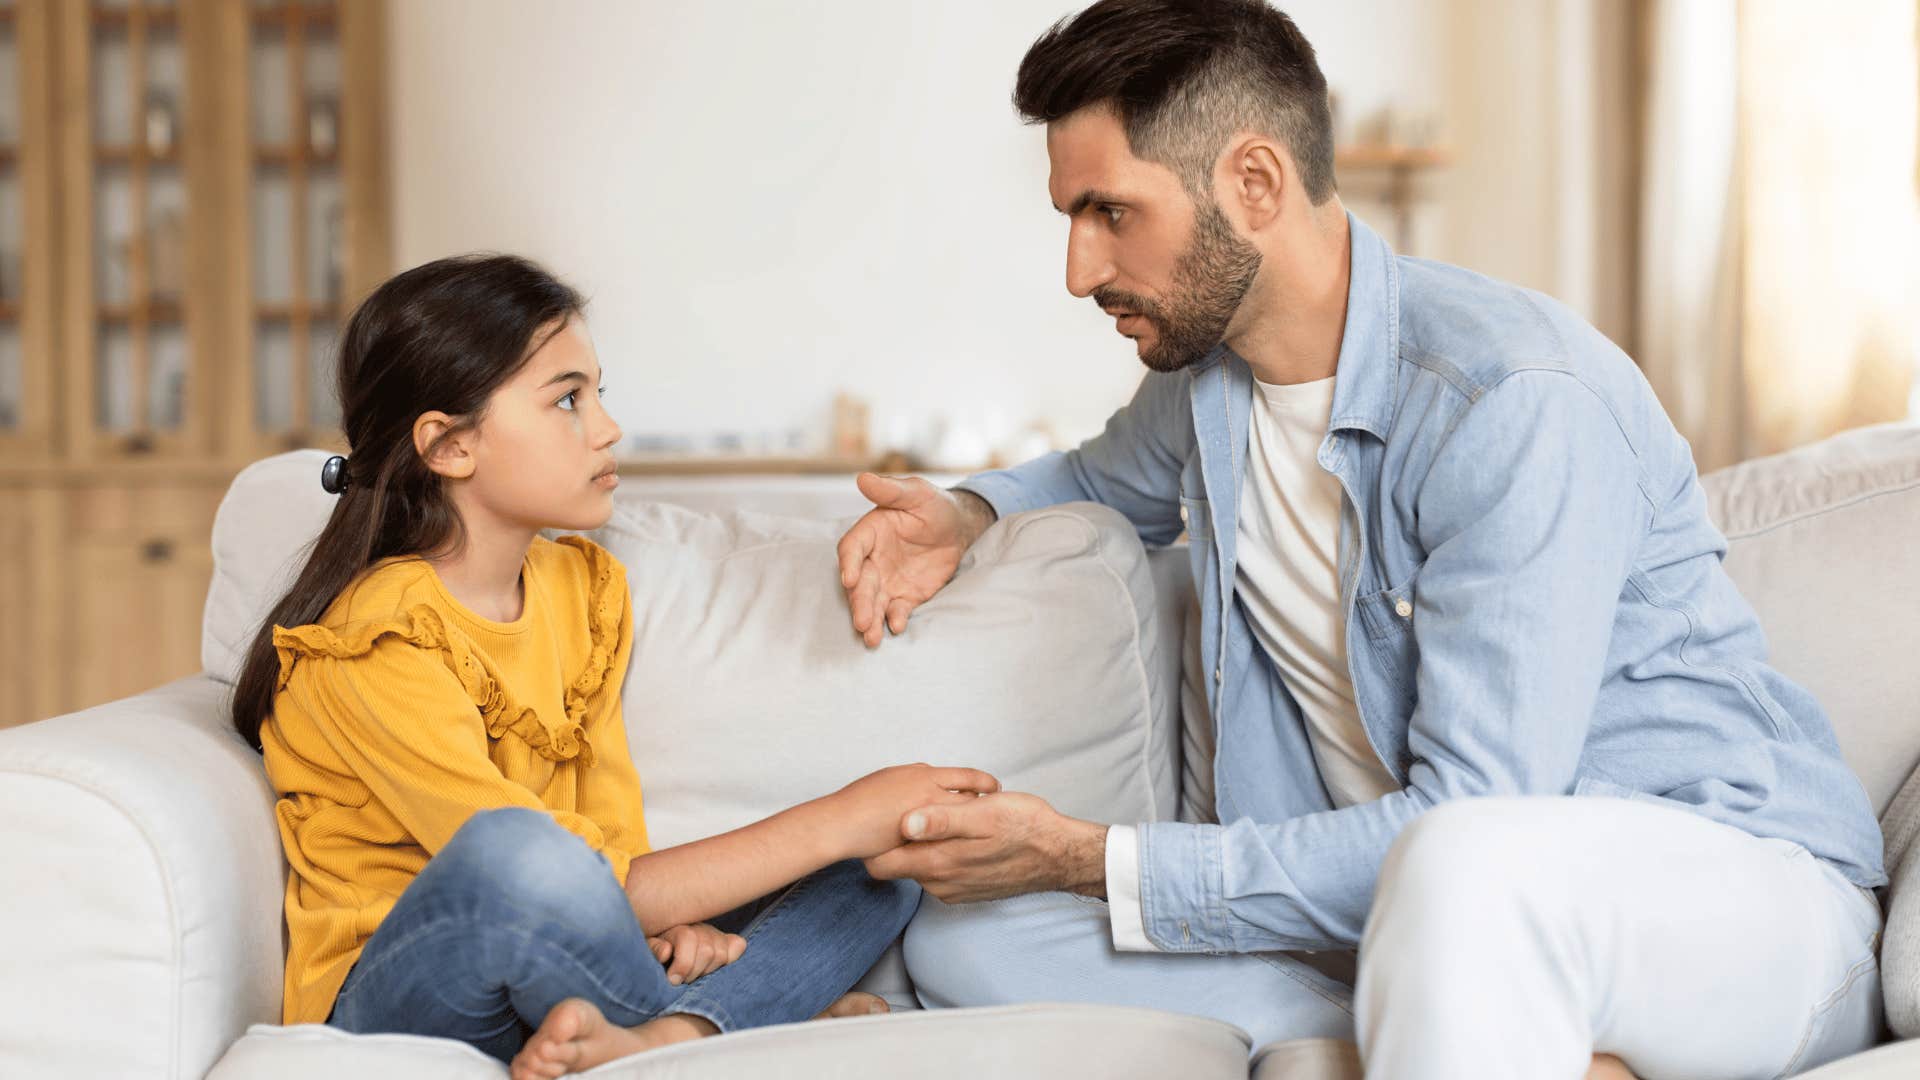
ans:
(516, 914)
(1508, 938)
(1057, 946)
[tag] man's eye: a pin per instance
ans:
(1113, 214)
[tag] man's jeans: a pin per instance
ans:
(516, 914)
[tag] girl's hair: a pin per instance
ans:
(442, 336)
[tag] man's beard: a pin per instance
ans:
(1209, 281)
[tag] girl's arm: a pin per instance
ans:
(700, 880)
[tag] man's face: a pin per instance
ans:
(1171, 273)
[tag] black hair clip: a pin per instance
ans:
(333, 475)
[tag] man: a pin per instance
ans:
(1487, 707)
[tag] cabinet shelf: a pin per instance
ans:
(119, 18)
(289, 312)
(153, 313)
(271, 15)
(125, 154)
(281, 157)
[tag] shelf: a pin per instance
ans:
(283, 156)
(284, 13)
(1391, 157)
(9, 311)
(127, 154)
(7, 156)
(118, 18)
(287, 312)
(154, 312)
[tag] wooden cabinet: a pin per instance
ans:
(192, 194)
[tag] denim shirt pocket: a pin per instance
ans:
(1197, 516)
(1387, 616)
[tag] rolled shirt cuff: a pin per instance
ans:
(1123, 890)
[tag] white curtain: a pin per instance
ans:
(1688, 337)
(1779, 223)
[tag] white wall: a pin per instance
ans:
(771, 201)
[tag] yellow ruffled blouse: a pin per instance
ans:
(401, 713)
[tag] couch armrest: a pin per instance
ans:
(144, 888)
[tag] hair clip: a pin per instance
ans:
(333, 475)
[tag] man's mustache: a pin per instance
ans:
(1116, 300)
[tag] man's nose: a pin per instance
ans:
(1088, 265)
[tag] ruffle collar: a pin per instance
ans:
(423, 625)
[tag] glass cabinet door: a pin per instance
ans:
(141, 359)
(26, 231)
(296, 135)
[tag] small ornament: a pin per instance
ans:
(159, 124)
(323, 125)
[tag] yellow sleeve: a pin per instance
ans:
(407, 728)
(610, 790)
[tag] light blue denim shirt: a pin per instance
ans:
(1533, 596)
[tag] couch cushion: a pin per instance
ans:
(1824, 541)
(1040, 1042)
(1046, 661)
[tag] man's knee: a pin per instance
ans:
(970, 954)
(1463, 856)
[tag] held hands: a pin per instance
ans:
(996, 846)
(868, 811)
(904, 549)
(692, 951)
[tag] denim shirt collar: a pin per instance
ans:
(1364, 390)
(1364, 378)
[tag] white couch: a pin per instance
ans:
(143, 932)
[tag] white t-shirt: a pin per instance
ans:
(1288, 578)
(1287, 575)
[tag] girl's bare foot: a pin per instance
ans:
(575, 1037)
(856, 1003)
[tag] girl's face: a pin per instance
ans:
(543, 455)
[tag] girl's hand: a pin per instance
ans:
(692, 951)
(867, 813)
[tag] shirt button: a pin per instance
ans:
(1404, 609)
(1183, 515)
(1216, 674)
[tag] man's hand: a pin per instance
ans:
(904, 549)
(692, 951)
(866, 814)
(997, 846)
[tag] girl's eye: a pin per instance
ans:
(567, 402)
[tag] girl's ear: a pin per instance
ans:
(451, 457)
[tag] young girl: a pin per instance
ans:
(437, 699)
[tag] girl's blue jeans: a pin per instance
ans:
(516, 914)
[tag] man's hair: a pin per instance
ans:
(1184, 77)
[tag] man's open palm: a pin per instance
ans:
(901, 552)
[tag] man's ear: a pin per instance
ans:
(453, 457)
(1254, 175)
